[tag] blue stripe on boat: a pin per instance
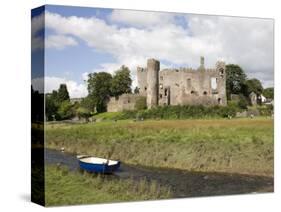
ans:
(98, 165)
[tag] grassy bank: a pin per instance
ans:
(221, 145)
(185, 112)
(64, 187)
(173, 112)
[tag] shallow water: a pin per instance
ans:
(182, 183)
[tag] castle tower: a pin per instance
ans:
(202, 65)
(142, 80)
(153, 67)
(221, 70)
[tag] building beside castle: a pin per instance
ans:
(182, 86)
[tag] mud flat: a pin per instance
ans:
(182, 183)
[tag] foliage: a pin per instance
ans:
(252, 85)
(121, 82)
(108, 116)
(235, 79)
(176, 112)
(265, 110)
(62, 94)
(243, 102)
(51, 107)
(88, 103)
(269, 93)
(83, 113)
(188, 111)
(66, 110)
(136, 90)
(58, 106)
(140, 103)
(99, 85)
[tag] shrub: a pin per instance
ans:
(181, 112)
(65, 110)
(176, 112)
(83, 113)
(243, 102)
(265, 110)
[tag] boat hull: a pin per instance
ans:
(99, 168)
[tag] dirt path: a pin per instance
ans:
(182, 183)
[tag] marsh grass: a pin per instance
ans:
(221, 145)
(64, 187)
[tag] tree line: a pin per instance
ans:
(238, 83)
(103, 85)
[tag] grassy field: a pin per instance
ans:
(64, 188)
(235, 146)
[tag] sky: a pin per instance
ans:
(80, 40)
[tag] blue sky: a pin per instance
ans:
(81, 40)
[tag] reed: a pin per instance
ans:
(64, 187)
(211, 145)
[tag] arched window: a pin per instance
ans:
(166, 92)
(188, 83)
(221, 70)
(214, 83)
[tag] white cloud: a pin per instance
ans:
(140, 18)
(245, 41)
(75, 89)
(85, 76)
(37, 24)
(60, 41)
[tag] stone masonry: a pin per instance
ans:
(178, 86)
(183, 86)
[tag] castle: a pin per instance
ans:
(183, 86)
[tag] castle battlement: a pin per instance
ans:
(176, 86)
(182, 85)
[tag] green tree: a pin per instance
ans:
(55, 96)
(66, 110)
(99, 85)
(121, 82)
(88, 103)
(268, 93)
(136, 90)
(235, 79)
(243, 102)
(51, 107)
(63, 94)
(252, 85)
(84, 113)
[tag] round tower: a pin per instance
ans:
(153, 67)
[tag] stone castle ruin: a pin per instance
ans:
(182, 86)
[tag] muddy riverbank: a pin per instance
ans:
(182, 183)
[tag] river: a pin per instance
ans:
(182, 183)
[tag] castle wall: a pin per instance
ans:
(122, 103)
(191, 87)
(183, 86)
